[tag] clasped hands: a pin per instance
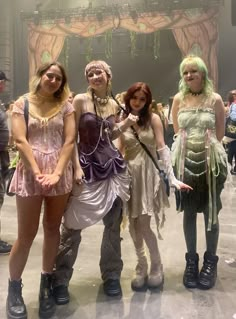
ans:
(47, 181)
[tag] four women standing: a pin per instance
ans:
(45, 138)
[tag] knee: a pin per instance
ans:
(51, 228)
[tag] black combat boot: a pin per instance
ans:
(208, 273)
(15, 306)
(47, 304)
(190, 278)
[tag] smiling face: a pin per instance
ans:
(137, 102)
(51, 81)
(97, 78)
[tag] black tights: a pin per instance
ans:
(190, 233)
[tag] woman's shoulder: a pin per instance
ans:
(19, 104)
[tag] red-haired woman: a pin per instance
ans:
(148, 195)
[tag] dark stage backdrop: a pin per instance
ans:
(160, 73)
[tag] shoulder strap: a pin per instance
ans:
(137, 137)
(146, 150)
(26, 114)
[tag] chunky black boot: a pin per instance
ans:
(47, 304)
(208, 273)
(190, 278)
(15, 306)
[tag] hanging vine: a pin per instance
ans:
(66, 52)
(133, 42)
(108, 44)
(89, 49)
(156, 45)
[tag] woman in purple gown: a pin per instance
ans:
(101, 183)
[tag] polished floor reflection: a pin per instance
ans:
(173, 302)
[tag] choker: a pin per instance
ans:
(195, 93)
(100, 100)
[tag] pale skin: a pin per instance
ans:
(194, 79)
(29, 208)
(137, 103)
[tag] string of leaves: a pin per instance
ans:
(156, 45)
(108, 44)
(133, 43)
(66, 53)
(89, 49)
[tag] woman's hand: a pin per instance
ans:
(131, 119)
(47, 180)
(181, 186)
(79, 176)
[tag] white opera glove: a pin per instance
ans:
(165, 157)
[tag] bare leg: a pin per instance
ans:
(28, 212)
(54, 209)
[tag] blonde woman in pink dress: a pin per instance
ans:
(43, 175)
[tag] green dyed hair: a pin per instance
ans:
(201, 66)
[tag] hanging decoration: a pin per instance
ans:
(89, 50)
(133, 42)
(156, 44)
(108, 44)
(66, 53)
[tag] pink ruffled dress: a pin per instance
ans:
(46, 139)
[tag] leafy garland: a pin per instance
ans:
(108, 44)
(89, 49)
(156, 45)
(133, 42)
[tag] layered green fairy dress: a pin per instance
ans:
(199, 159)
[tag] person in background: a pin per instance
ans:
(147, 192)
(71, 97)
(231, 145)
(101, 183)
(43, 175)
(199, 160)
(5, 248)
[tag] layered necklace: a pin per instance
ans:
(101, 101)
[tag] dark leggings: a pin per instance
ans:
(190, 232)
(232, 152)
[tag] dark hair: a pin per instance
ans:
(145, 113)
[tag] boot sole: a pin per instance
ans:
(47, 314)
(139, 289)
(10, 316)
(61, 302)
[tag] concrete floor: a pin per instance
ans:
(173, 302)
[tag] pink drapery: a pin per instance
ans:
(195, 31)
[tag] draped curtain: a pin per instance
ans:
(195, 31)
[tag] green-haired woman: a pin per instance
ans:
(200, 161)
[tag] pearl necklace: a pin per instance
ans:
(100, 100)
